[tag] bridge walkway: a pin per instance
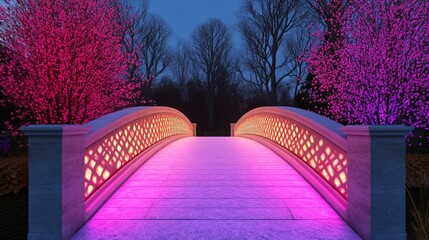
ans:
(216, 188)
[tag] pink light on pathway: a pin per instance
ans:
(216, 188)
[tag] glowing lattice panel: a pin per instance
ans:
(109, 154)
(318, 152)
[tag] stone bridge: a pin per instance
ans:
(285, 173)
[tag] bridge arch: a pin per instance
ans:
(358, 169)
(73, 169)
(314, 145)
(118, 143)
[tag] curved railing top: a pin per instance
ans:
(120, 137)
(325, 126)
(316, 141)
(105, 124)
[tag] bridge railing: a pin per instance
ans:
(73, 169)
(359, 170)
(117, 139)
(315, 143)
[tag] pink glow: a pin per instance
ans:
(112, 152)
(371, 65)
(216, 188)
(318, 152)
(66, 65)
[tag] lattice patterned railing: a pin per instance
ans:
(318, 151)
(104, 157)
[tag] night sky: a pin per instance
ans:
(183, 16)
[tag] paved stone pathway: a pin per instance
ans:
(216, 188)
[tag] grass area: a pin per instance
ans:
(418, 196)
(14, 197)
(417, 170)
(418, 213)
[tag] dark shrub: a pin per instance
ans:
(4, 146)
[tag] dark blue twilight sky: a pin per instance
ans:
(183, 16)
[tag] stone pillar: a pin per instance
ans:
(194, 129)
(232, 129)
(376, 180)
(56, 180)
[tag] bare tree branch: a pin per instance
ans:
(211, 48)
(264, 25)
(181, 67)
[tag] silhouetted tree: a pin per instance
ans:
(229, 101)
(211, 49)
(264, 25)
(155, 53)
(167, 93)
(196, 107)
(144, 39)
(132, 16)
(181, 69)
(298, 46)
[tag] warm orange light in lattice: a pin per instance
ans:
(109, 154)
(318, 152)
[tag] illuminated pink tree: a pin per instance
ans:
(132, 17)
(324, 58)
(379, 71)
(66, 61)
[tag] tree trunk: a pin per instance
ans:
(273, 92)
(210, 106)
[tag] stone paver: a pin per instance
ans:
(216, 188)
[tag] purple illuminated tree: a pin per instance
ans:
(66, 61)
(324, 57)
(376, 69)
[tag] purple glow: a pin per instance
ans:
(216, 188)
(112, 152)
(371, 65)
(324, 157)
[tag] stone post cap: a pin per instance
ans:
(194, 129)
(232, 125)
(54, 130)
(376, 130)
